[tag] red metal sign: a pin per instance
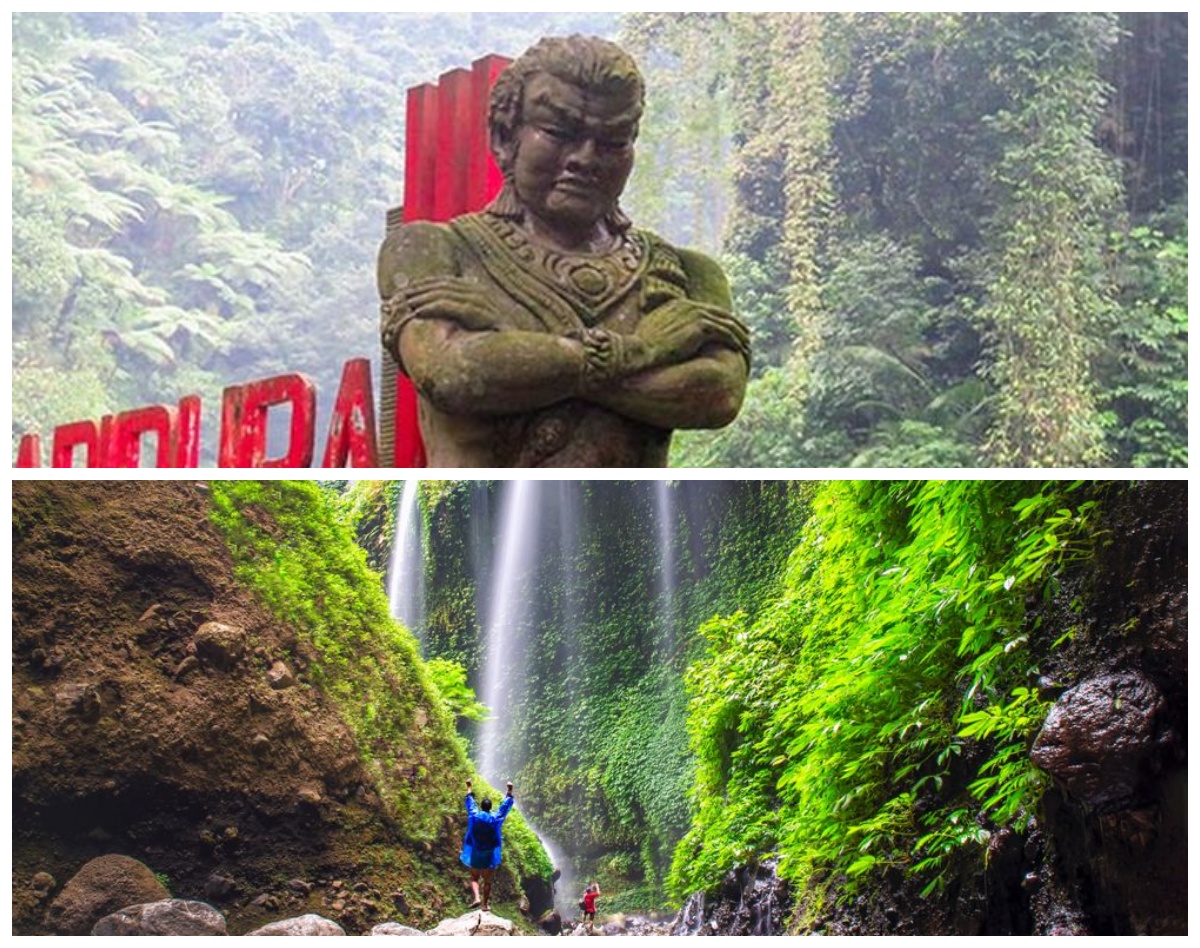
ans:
(449, 171)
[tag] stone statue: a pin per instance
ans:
(546, 331)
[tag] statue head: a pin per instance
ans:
(563, 119)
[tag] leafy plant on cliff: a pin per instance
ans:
(832, 729)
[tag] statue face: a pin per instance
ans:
(573, 152)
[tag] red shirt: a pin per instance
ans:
(589, 901)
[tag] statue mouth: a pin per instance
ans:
(573, 185)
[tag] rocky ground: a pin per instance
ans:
(118, 895)
(160, 712)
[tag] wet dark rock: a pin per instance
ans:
(749, 901)
(551, 923)
(102, 886)
(1103, 741)
(166, 917)
(540, 894)
(299, 885)
(219, 887)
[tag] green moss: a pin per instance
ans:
(290, 543)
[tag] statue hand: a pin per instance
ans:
(679, 329)
(452, 298)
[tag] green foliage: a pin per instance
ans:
(1144, 372)
(290, 547)
(917, 227)
(450, 679)
(831, 730)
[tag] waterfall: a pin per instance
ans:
(406, 575)
(517, 554)
(504, 623)
(668, 581)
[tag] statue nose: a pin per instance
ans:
(584, 155)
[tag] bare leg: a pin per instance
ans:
(487, 889)
(475, 886)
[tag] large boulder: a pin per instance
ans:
(1103, 739)
(303, 925)
(474, 923)
(168, 917)
(394, 928)
(102, 886)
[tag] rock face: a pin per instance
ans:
(161, 710)
(551, 923)
(395, 928)
(102, 886)
(303, 925)
(169, 917)
(1104, 741)
(750, 901)
(474, 923)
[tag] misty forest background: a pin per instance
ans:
(960, 239)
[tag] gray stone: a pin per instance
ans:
(100, 887)
(166, 917)
(472, 924)
(302, 925)
(394, 928)
(219, 887)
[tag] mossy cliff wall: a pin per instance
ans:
(205, 677)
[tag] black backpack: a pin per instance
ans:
(483, 835)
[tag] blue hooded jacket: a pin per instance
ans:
(476, 851)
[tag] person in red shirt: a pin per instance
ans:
(589, 904)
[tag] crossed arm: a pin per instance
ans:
(684, 367)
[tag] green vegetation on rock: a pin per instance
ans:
(878, 712)
(290, 545)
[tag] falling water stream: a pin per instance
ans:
(667, 579)
(519, 532)
(406, 574)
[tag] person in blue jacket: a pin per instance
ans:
(481, 845)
